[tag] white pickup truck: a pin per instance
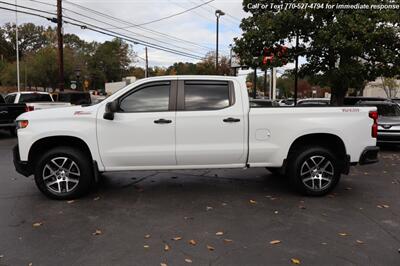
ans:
(191, 122)
(34, 100)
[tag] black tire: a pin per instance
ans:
(302, 159)
(77, 162)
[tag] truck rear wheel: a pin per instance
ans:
(63, 173)
(314, 170)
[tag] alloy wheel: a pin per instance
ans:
(317, 173)
(61, 175)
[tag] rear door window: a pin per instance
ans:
(207, 95)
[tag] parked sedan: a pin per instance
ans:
(396, 100)
(388, 121)
(309, 102)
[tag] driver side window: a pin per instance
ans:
(150, 98)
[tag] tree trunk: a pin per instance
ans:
(337, 96)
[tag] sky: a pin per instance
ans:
(192, 32)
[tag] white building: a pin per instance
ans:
(375, 89)
(113, 87)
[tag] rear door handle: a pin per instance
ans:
(231, 120)
(162, 121)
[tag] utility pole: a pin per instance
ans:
(296, 69)
(273, 75)
(265, 82)
(17, 46)
(255, 83)
(60, 46)
(218, 14)
(146, 71)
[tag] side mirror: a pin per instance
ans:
(111, 108)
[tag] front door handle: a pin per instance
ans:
(231, 120)
(162, 121)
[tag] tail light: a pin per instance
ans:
(22, 124)
(29, 108)
(374, 116)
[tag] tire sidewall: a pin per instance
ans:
(300, 157)
(85, 179)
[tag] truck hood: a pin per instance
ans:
(59, 113)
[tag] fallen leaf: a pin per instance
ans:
(96, 198)
(302, 207)
(253, 202)
(348, 188)
(147, 236)
(30, 264)
(209, 208)
(226, 240)
(274, 242)
(359, 242)
(324, 243)
(70, 201)
(219, 233)
(295, 261)
(97, 232)
(343, 234)
(177, 238)
(192, 242)
(146, 246)
(276, 212)
(1, 256)
(210, 248)
(163, 264)
(385, 206)
(272, 198)
(38, 224)
(188, 260)
(224, 203)
(379, 206)
(166, 247)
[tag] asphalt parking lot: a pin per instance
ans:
(217, 217)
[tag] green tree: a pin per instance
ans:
(344, 48)
(110, 62)
(31, 38)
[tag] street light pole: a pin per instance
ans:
(218, 14)
(16, 45)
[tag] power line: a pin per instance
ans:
(134, 25)
(229, 15)
(176, 14)
(105, 32)
(138, 34)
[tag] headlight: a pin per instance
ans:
(22, 124)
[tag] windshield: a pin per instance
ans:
(34, 98)
(388, 110)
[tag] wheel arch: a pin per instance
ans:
(47, 143)
(329, 141)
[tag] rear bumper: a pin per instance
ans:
(369, 155)
(21, 167)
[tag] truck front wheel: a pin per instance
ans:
(63, 173)
(314, 170)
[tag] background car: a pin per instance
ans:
(254, 103)
(309, 102)
(396, 100)
(73, 97)
(388, 120)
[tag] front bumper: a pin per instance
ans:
(21, 167)
(369, 155)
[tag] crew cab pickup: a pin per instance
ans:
(8, 114)
(191, 122)
(34, 100)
